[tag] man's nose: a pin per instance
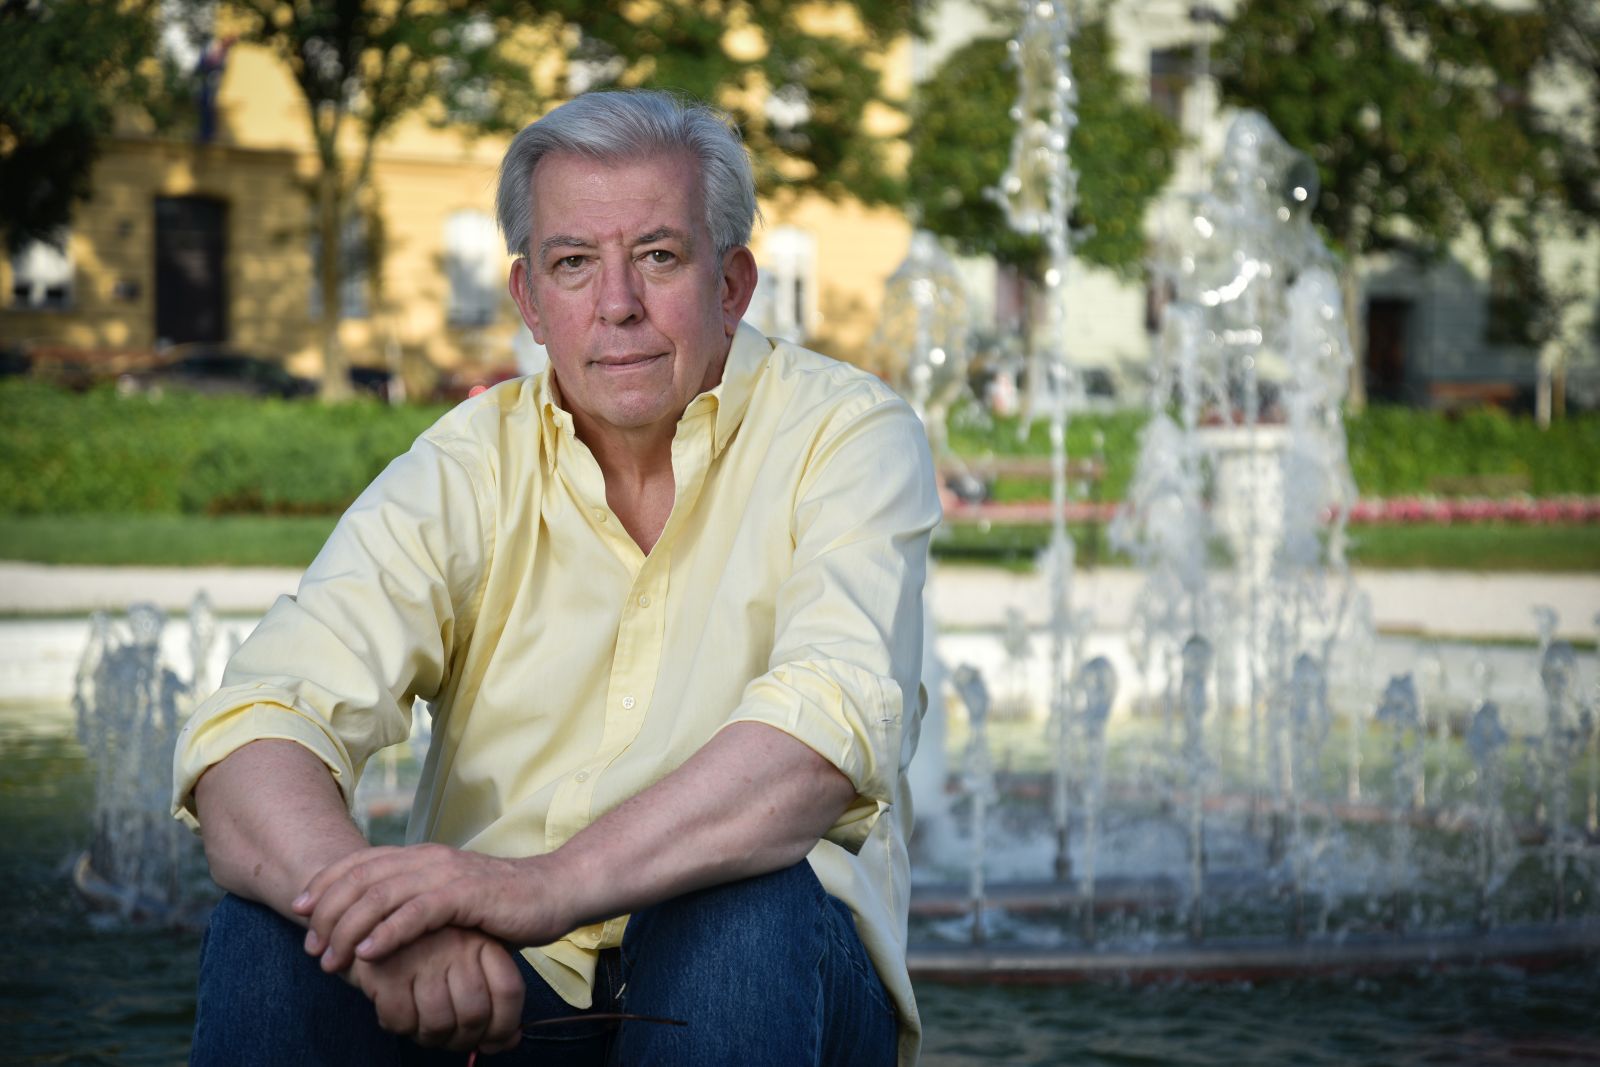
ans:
(619, 294)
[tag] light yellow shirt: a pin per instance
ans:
(567, 671)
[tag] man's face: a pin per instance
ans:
(624, 287)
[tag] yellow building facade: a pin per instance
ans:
(183, 241)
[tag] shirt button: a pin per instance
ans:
(600, 516)
(644, 601)
(582, 776)
(627, 703)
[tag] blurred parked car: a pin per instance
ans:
(220, 371)
(14, 362)
(373, 381)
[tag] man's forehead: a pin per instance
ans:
(564, 174)
(581, 167)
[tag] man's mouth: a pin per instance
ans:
(631, 360)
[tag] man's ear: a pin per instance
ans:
(522, 294)
(738, 286)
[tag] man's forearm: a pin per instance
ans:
(753, 800)
(271, 816)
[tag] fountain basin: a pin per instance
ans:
(1253, 959)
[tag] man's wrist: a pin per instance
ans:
(560, 890)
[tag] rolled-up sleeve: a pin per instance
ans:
(847, 651)
(374, 624)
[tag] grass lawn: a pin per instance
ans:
(265, 541)
(1486, 546)
(165, 540)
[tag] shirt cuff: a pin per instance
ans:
(206, 741)
(848, 716)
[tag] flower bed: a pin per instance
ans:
(1535, 511)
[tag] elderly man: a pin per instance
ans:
(664, 603)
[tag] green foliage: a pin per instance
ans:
(64, 66)
(819, 141)
(1409, 108)
(62, 453)
(1401, 452)
(961, 136)
(1113, 436)
(1572, 55)
(1393, 451)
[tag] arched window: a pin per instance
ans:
(474, 261)
(41, 275)
(785, 304)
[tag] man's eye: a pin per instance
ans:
(569, 262)
(659, 257)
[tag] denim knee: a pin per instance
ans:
(755, 968)
(263, 1000)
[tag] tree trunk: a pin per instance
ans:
(1034, 370)
(330, 271)
(1356, 323)
(1541, 393)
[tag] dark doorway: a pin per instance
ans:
(191, 254)
(1387, 321)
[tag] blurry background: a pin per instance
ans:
(189, 178)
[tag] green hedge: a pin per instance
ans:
(1393, 452)
(63, 453)
(1401, 452)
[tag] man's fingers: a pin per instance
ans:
(397, 1010)
(506, 990)
(376, 903)
(436, 1017)
(352, 879)
(334, 872)
(419, 915)
(469, 999)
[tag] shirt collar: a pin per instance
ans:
(555, 421)
(730, 399)
(727, 401)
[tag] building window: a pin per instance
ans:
(354, 271)
(41, 276)
(474, 261)
(785, 300)
(1517, 299)
(1171, 75)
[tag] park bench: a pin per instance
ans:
(964, 488)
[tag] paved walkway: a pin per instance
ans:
(1428, 603)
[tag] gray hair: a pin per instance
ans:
(619, 125)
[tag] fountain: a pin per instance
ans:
(141, 864)
(1254, 805)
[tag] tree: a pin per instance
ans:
(961, 136)
(802, 91)
(1410, 110)
(1572, 56)
(363, 65)
(1122, 149)
(64, 67)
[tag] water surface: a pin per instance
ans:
(78, 988)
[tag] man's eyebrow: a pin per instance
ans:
(560, 240)
(662, 233)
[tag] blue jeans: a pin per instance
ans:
(768, 970)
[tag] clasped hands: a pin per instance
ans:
(422, 931)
